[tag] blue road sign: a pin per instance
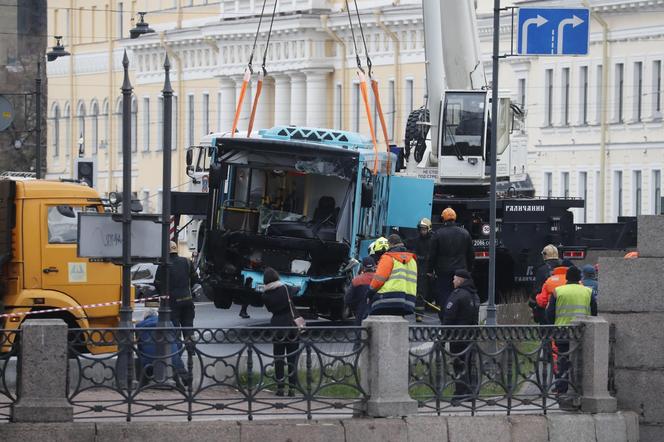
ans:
(553, 31)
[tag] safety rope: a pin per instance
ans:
(363, 88)
(262, 74)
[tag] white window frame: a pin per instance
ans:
(637, 192)
(206, 113)
(548, 97)
(582, 192)
(146, 124)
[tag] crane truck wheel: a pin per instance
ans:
(416, 134)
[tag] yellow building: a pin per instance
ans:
(310, 61)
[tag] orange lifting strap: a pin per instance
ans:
(240, 101)
(259, 88)
(365, 97)
(379, 108)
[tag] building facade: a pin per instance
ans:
(312, 80)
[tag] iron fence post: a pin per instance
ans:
(164, 319)
(125, 366)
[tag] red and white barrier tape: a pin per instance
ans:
(77, 307)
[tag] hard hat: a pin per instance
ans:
(380, 245)
(632, 255)
(173, 247)
(449, 214)
(424, 222)
(550, 252)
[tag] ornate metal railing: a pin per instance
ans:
(495, 369)
(9, 344)
(215, 372)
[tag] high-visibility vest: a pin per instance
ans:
(400, 289)
(572, 301)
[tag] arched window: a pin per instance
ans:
(67, 117)
(80, 141)
(94, 126)
(134, 124)
(106, 116)
(118, 125)
(55, 124)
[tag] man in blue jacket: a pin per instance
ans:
(590, 280)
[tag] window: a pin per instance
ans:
(548, 97)
(55, 115)
(392, 109)
(174, 128)
(583, 97)
(564, 184)
(657, 87)
(410, 92)
(600, 82)
(565, 115)
(63, 223)
(620, 83)
(146, 124)
(583, 193)
(134, 125)
(118, 20)
(637, 192)
(638, 90)
(160, 123)
(190, 120)
(206, 114)
(67, 118)
(548, 184)
(617, 193)
(118, 125)
(521, 91)
(598, 184)
(107, 124)
(94, 126)
(356, 107)
(657, 192)
(218, 111)
(338, 107)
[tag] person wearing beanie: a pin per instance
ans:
(451, 250)
(590, 280)
(357, 294)
(568, 302)
(394, 285)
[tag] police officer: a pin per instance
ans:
(421, 246)
(394, 285)
(462, 308)
(451, 250)
(182, 275)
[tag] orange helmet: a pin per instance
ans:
(449, 214)
(632, 255)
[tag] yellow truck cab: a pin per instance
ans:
(39, 266)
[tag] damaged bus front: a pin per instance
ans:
(302, 201)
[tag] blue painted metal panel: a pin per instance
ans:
(410, 200)
(343, 139)
(553, 31)
(294, 280)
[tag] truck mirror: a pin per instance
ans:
(190, 157)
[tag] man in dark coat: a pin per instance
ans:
(357, 294)
(462, 308)
(421, 247)
(451, 250)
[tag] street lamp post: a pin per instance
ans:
(38, 131)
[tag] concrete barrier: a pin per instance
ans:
(609, 427)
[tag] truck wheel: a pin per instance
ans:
(416, 134)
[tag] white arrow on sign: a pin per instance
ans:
(539, 21)
(574, 21)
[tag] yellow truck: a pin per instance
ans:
(39, 266)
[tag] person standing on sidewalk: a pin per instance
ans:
(421, 246)
(182, 275)
(462, 308)
(451, 250)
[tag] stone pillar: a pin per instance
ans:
(265, 110)
(243, 122)
(630, 298)
(298, 102)
(384, 370)
(227, 104)
(282, 99)
(317, 97)
(42, 385)
(595, 369)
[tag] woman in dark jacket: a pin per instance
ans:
(277, 299)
